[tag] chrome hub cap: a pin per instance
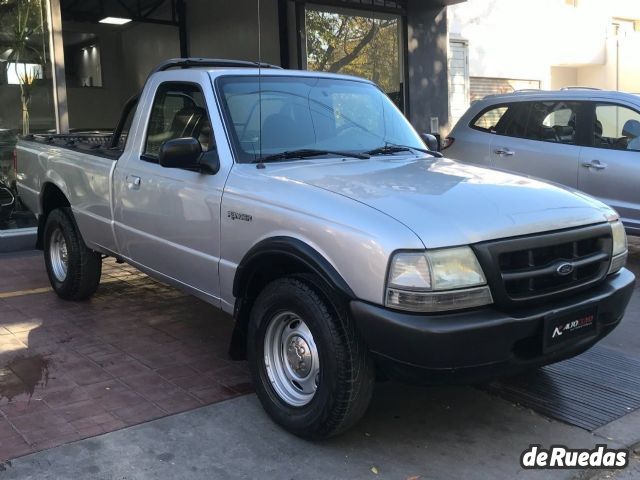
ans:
(291, 359)
(299, 356)
(58, 255)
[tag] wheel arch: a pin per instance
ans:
(52, 197)
(268, 260)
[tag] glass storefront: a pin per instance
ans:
(356, 42)
(101, 64)
(26, 93)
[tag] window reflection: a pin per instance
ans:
(356, 43)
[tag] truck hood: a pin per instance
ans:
(447, 203)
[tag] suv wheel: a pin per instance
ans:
(312, 372)
(74, 270)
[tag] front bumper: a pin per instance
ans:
(475, 346)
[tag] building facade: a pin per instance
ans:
(498, 46)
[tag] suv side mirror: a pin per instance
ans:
(431, 141)
(186, 153)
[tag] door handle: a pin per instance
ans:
(504, 152)
(133, 182)
(595, 164)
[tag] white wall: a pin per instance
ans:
(564, 77)
(522, 39)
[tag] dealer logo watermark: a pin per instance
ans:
(561, 457)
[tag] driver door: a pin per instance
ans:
(168, 219)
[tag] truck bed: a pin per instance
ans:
(81, 167)
(93, 143)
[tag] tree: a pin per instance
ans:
(23, 23)
(357, 45)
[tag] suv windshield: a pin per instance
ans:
(272, 115)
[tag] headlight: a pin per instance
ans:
(436, 280)
(619, 249)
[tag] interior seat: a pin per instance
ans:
(565, 134)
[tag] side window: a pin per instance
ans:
(178, 111)
(552, 121)
(616, 127)
(488, 120)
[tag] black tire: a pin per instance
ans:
(347, 373)
(84, 266)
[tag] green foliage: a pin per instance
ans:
(355, 45)
(22, 40)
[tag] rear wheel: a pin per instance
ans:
(312, 372)
(73, 269)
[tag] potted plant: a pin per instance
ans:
(24, 23)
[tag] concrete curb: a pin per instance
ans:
(18, 240)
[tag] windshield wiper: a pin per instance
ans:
(391, 148)
(308, 152)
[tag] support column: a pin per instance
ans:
(181, 10)
(56, 49)
(428, 76)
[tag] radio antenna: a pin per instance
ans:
(260, 164)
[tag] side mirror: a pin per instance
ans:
(186, 153)
(180, 153)
(431, 141)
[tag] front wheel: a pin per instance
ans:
(73, 269)
(312, 372)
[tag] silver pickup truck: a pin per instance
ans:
(305, 205)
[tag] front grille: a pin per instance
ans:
(525, 269)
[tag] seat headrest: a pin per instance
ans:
(187, 121)
(598, 128)
(631, 129)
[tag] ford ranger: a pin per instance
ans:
(306, 205)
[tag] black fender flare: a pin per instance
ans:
(298, 251)
(288, 247)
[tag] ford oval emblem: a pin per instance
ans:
(564, 269)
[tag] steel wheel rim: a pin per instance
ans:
(58, 255)
(291, 359)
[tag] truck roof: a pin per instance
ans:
(219, 67)
(222, 71)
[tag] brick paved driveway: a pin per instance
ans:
(138, 350)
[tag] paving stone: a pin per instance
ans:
(136, 351)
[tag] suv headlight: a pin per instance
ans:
(619, 249)
(436, 280)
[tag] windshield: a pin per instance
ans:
(276, 114)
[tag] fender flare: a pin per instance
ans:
(298, 251)
(281, 246)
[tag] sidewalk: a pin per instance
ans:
(445, 433)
